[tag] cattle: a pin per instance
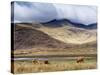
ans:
(35, 61)
(40, 61)
(80, 60)
(46, 62)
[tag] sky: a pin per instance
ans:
(45, 12)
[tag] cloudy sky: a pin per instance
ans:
(44, 12)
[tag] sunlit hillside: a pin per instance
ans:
(66, 33)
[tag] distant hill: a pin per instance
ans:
(59, 23)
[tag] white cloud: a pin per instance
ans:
(77, 13)
(35, 13)
(43, 12)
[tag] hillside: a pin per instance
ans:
(65, 31)
(27, 37)
(31, 35)
(69, 34)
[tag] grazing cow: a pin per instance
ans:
(35, 61)
(43, 62)
(80, 60)
(40, 61)
(46, 62)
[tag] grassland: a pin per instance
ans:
(48, 43)
(28, 66)
(53, 54)
(50, 51)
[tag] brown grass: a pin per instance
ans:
(27, 66)
(50, 51)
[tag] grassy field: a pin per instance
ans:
(50, 51)
(28, 66)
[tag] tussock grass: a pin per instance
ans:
(29, 66)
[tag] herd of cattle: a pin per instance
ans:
(78, 60)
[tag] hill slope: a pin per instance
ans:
(66, 33)
(28, 37)
(69, 34)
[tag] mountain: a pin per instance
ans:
(26, 37)
(55, 23)
(53, 34)
(66, 33)
(59, 23)
(71, 34)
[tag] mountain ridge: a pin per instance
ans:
(59, 23)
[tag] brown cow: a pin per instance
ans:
(43, 62)
(80, 60)
(46, 62)
(35, 61)
(40, 62)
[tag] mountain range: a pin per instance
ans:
(57, 23)
(54, 34)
